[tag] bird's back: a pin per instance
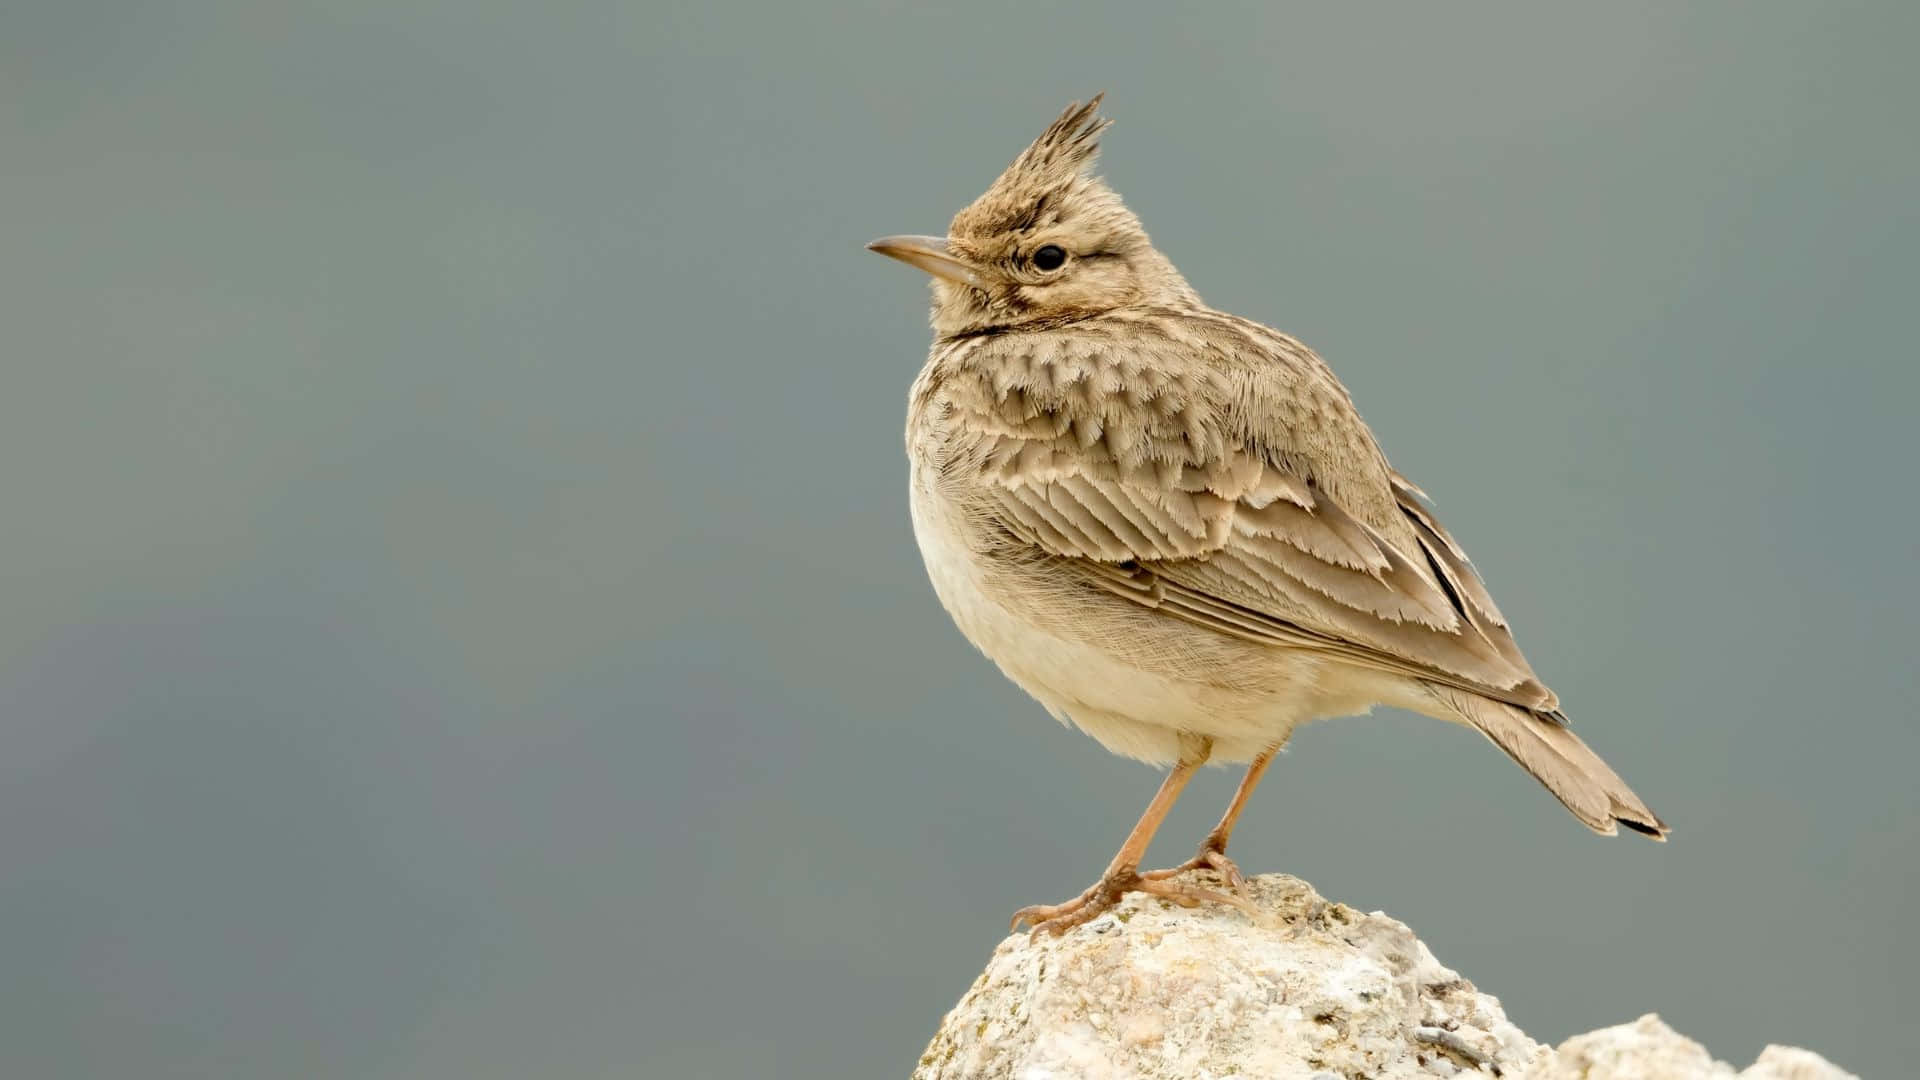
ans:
(1189, 404)
(1153, 386)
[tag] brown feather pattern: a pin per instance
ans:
(1092, 429)
(1242, 519)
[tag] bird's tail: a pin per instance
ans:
(1556, 757)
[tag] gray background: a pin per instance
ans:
(460, 617)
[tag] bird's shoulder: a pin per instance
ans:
(1176, 397)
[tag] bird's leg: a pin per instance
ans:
(1213, 850)
(1123, 873)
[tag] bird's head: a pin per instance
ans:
(1048, 242)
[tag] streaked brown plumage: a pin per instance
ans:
(1171, 527)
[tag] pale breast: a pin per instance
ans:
(1130, 677)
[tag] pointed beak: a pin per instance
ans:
(930, 253)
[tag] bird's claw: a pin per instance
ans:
(1057, 919)
(1208, 858)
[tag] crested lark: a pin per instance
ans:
(1170, 525)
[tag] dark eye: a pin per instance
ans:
(1049, 257)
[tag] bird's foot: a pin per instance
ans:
(1207, 858)
(1057, 919)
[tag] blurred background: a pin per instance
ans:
(460, 614)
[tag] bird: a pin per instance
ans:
(1169, 525)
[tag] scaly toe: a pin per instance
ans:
(1208, 859)
(1193, 895)
(1229, 872)
(1046, 914)
(1057, 919)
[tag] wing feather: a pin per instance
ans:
(1256, 553)
(1239, 492)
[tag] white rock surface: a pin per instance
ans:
(1322, 992)
(1648, 1049)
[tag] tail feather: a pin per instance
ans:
(1556, 757)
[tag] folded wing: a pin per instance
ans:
(1248, 548)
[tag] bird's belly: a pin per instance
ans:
(1134, 679)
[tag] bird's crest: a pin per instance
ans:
(1052, 172)
(1068, 146)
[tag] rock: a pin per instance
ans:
(1320, 992)
(1649, 1049)
(1154, 990)
(1793, 1063)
